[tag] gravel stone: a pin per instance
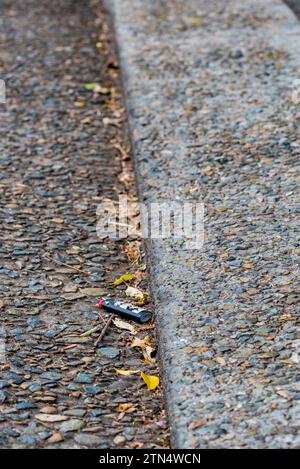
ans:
(84, 378)
(93, 390)
(25, 405)
(4, 384)
(27, 440)
(3, 396)
(109, 352)
(85, 439)
(72, 425)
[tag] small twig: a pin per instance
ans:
(139, 282)
(93, 429)
(67, 265)
(101, 317)
(133, 263)
(104, 330)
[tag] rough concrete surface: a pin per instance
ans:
(214, 114)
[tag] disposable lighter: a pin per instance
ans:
(125, 310)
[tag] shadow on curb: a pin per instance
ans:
(294, 5)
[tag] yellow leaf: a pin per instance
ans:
(90, 86)
(151, 381)
(122, 279)
(126, 372)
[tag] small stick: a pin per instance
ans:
(67, 265)
(104, 330)
(92, 429)
(101, 317)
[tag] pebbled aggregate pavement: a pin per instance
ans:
(214, 115)
(59, 158)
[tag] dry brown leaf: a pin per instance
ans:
(126, 177)
(139, 275)
(124, 325)
(129, 408)
(284, 394)
(198, 424)
(124, 152)
(86, 120)
(92, 291)
(202, 349)
(142, 343)
(145, 346)
(58, 220)
(140, 297)
(132, 250)
(254, 379)
(221, 361)
(147, 327)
